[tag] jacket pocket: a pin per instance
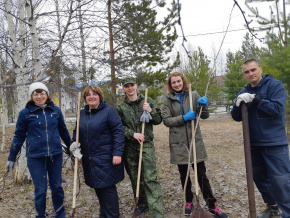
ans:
(178, 153)
(34, 145)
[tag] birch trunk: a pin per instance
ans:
(35, 41)
(19, 57)
(62, 91)
(83, 48)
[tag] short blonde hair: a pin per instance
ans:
(95, 89)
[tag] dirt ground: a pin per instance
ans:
(225, 169)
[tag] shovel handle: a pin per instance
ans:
(76, 159)
(141, 152)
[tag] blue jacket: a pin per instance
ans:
(42, 129)
(101, 136)
(266, 113)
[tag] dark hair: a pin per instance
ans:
(250, 61)
(184, 80)
(95, 89)
(48, 100)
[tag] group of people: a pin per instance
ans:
(109, 140)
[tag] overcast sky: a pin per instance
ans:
(204, 23)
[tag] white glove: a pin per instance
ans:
(146, 117)
(75, 148)
(9, 166)
(245, 97)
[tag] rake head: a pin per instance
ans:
(198, 212)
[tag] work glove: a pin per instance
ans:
(202, 101)
(66, 150)
(245, 97)
(9, 166)
(75, 148)
(189, 116)
(146, 117)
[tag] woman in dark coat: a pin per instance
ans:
(42, 125)
(101, 138)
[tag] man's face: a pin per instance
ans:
(253, 73)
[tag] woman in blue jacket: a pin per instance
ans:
(101, 138)
(42, 125)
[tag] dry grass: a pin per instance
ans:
(226, 171)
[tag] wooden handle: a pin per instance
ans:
(76, 159)
(193, 141)
(141, 151)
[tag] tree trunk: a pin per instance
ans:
(35, 41)
(62, 91)
(19, 57)
(112, 57)
(83, 48)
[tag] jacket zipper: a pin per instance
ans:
(46, 131)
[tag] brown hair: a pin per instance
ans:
(95, 89)
(31, 102)
(250, 61)
(184, 80)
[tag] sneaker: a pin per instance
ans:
(270, 212)
(188, 208)
(217, 212)
(139, 212)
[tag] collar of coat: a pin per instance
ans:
(34, 107)
(140, 98)
(102, 105)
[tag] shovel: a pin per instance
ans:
(140, 159)
(76, 159)
(248, 160)
(198, 212)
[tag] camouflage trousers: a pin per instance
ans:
(150, 192)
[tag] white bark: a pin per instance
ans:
(35, 41)
(62, 91)
(19, 57)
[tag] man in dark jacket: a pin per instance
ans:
(266, 102)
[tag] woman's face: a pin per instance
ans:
(130, 89)
(176, 83)
(39, 98)
(93, 99)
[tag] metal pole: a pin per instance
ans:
(248, 161)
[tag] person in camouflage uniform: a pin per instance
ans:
(130, 111)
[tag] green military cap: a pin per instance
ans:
(129, 80)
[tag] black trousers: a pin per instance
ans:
(109, 202)
(202, 181)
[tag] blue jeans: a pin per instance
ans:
(271, 169)
(109, 202)
(39, 168)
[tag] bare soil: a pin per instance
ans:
(225, 169)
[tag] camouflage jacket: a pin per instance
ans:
(130, 113)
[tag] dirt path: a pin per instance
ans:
(226, 171)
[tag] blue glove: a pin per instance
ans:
(189, 116)
(202, 101)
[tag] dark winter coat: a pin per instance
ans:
(266, 113)
(180, 132)
(101, 136)
(42, 129)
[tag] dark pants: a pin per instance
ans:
(109, 202)
(39, 168)
(202, 181)
(271, 170)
